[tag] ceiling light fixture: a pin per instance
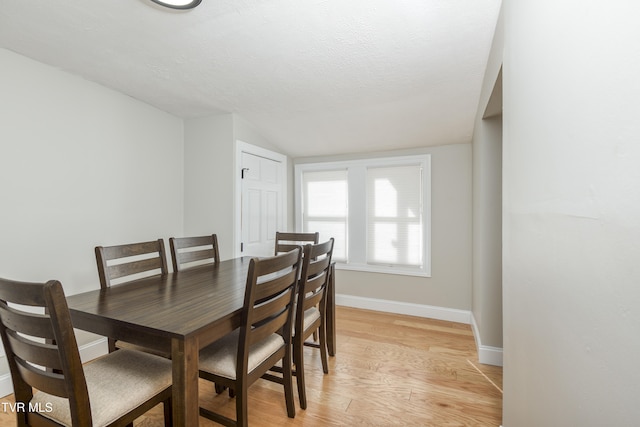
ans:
(178, 4)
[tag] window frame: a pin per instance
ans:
(356, 243)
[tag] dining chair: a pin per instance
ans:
(124, 263)
(192, 251)
(287, 241)
(264, 337)
(51, 386)
(310, 311)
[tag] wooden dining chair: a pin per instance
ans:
(51, 385)
(192, 251)
(287, 241)
(124, 263)
(264, 337)
(310, 312)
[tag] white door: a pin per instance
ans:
(261, 204)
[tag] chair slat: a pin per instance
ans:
(286, 241)
(312, 299)
(274, 286)
(266, 329)
(34, 324)
(267, 309)
(272, 265)
(129, 250)
(129, 268)
(24, 293)
(286, 247)
(192, 256)
(191, 242)
(317, 266)
(297, 237)
(49, 382)
(42, 354)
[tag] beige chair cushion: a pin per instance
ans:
(220, 358)
(117, 383)
(310, 316)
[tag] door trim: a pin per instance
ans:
(244, 147)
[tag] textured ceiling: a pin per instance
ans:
(314, 77)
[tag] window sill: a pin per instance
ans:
(381, 269)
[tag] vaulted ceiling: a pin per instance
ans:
(314, 77)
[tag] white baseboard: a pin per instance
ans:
(411, 309)
(6, 386)
(87, 352)
(486, 354)
(94, 349)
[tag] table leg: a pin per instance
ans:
(331, 312)
(184, 355)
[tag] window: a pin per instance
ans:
(377, 210)
(324, 207)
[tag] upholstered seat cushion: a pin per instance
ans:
(220, 358)
(117, 383)
(310, 316)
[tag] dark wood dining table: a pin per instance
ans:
(178, 313)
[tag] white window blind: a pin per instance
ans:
(394, 216)
(325, 207)
(377, 210)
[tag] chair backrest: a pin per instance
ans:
(314, 279)
(129, 260)
(187, 250)
(41, 347)
(288, 241)
(268, 301)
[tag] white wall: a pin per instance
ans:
(487, 211)
(449, 286)
(80, 166)
(571, 213)
(487, 236)
(208, 179)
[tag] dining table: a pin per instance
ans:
(177, 313)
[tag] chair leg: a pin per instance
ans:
(241, 406)
(323, 348)
(168, 413)
(219, 388)
(298, 359)
(287, 382)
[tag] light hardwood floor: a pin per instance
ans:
(389, 370)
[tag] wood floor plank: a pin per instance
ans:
(389, 370)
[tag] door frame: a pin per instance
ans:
(244, 147)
